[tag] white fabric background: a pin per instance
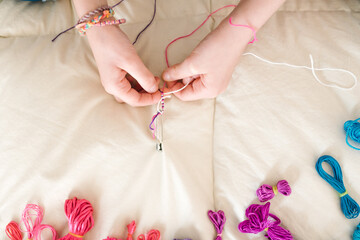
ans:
(63, 136)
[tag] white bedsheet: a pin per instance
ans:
(62, 135)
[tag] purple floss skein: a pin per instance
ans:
(218, 219)
(259, 219)
(266, 192)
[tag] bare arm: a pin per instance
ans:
(210, 65)
(122, 72)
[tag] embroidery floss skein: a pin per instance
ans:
(131, 227)
(348, 205)
(259, 220)
(33, 226)
(79, 213)
(13, 231)
(266, 192)
(352, 129)
(153, 234)
(218, 219)
(356, 235)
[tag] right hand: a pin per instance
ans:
(122, 72)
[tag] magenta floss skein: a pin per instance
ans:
(218, 219)
(259, 220)
(266, 192)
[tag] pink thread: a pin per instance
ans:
(13, 231)
(240, 25)
(79, 213)
(33, 226)
(188, 35)
(266, 192)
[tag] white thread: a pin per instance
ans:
(334, 85)
(159, 110)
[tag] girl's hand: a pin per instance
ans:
(210, 65)
(122, 72)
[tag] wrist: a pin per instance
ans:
(236, 37)
(84, 6)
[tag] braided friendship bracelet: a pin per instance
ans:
(95, 18)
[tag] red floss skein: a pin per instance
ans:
(141, 237)
(267, 192)
(79, 213)
(13, 231)
(153, 234)
(32, 218)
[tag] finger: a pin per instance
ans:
(122, 90)
(194, 91)
(118, 99)
(179, 71)
(144, 77)
(187, 80)
(170, 84)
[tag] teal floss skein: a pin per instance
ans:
(348, 205)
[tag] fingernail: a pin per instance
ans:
(154, 88)
(166, 76)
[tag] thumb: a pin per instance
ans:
(143, 76)
(179, 71)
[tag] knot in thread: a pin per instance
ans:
(275, 190)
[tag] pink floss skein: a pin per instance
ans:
(266, 192)
(33, 226)
(13, 231)
(79, 213)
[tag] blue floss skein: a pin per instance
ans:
(356, 235)
(352, 129)
(348, 205)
